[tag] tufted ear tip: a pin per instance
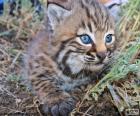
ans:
(56, 14)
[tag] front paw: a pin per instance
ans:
(58, 106)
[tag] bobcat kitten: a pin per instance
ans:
(69, 53)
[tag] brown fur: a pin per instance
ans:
(55, 61)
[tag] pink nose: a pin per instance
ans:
(101, 55)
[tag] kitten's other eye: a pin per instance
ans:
(86, 39)
(108, 39)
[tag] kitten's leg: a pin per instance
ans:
(55, 101)
(46, 84)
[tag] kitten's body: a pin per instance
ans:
(59, 60)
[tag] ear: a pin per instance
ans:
(56, 14)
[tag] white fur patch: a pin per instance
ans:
(75, 62)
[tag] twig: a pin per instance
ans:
(15, 59)
(9, 93)
(87, 93)
(11, 110)
(85, 114)
(116, 98)
(2, 72)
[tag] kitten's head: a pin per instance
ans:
(84, 37)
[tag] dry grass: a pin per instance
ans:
(15, 32)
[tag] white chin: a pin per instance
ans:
(95, 67)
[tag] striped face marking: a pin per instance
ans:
(98, 45)
(92, 39)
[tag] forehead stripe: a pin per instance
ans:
(89, 26)
(87, 12)
(83, 24)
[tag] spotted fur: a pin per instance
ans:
(57, 61)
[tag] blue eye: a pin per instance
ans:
(108, 38)
(86, 39)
